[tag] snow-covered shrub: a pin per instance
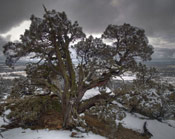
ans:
(106, 112)
(156, 100)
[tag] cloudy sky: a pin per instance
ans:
(157, 17)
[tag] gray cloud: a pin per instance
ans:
(2, 42)
(92, 14)
(157, 17)
(164, 53)
(14, 12)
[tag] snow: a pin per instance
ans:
(132, 122)
(159, 130)
(12, 75)
(14, 72)
(108, 90)
(19, 133)
(4, 120)
(7, 112)
(171, 122)
(118, 104)
(125, 77)
(91, 93)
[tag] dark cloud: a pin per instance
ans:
(157, 17)
(13, 12)
(92, 14)
(2, 42)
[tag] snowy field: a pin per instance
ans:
(12, 75)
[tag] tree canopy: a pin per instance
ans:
(52, 40)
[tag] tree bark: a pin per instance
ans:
(67, 117)
(69, 110)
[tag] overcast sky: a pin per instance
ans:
(157, 17)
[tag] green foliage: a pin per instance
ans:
(48, 41)
(29, 110)
(21, 87)
(49, 38)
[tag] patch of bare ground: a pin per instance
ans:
(124, 133)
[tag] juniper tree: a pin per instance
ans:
(50, 41)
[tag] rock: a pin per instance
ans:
(73, 134)
(76, 135)
(146, 131)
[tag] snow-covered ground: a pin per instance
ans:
(134, 121)
(159, 130)
(15, 72)
(168, 79)
(12, 75)
(19, 133)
